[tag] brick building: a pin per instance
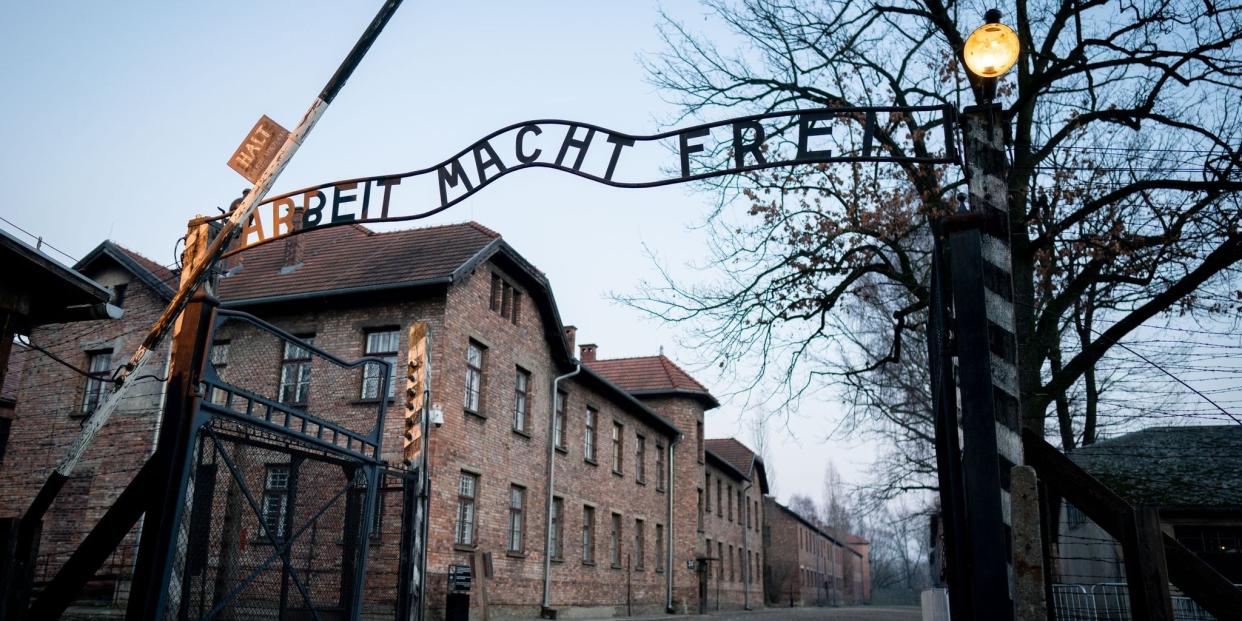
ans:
(734, 486)
(621, 441)
(808, 565)
(51, 401)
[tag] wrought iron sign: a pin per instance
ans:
(732, 146)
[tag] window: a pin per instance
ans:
(275, 501)
(558, 528)
(640, 459)
(741, 502)
(118, 295)
(698, 439)
(617, 430)
(219, 359)
(474, 377)
(588, 535)
(719, 498)
(708, 552)
(748, 522)
(730, 563)
(700, 505)
(719, 561)
(521, 401)
(467, 490)
(505, 299)
(97, 363)
(588, 436)
(558, 420)
(729, 497)
(659, 550)
(659, 470)
(708, 504)
(380, 344)
(757, 516)
(640, 544)
(517, 519)
(614, 542)
(295, 372)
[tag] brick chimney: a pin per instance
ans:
(571, 333)
(586, 352)
(293, 244)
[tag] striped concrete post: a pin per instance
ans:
(982, 278)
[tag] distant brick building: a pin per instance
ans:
(621, 439)
(734, 484)
(808, 565)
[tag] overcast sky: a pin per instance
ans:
(118, 120)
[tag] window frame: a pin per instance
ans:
(560, 422)
(618, 448)
(391, 356)
(475, 378)
(281, 494)
(304, 360)
(588, 535)
(640, 459)
(590, 436)
(465, 528)
(558, 529)
(659, 465)
(93, 392)
(640, 544)
(521, 401)
(515, 535)
(659, 548)
(614, 542)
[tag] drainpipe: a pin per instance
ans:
(746, 574)
(668, 577)
(547, 517)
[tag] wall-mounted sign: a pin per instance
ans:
(258, 149)
(793, 138)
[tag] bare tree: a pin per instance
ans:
(763, 448)
(1124, 189)
(804, 506)
(834, 506)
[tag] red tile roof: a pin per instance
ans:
(649, 374)
(732, 451)
(351, 256)
(161, 273)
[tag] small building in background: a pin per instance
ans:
(1191, 474)
(810, 565)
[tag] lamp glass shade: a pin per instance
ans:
(991, 50)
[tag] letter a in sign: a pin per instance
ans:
(258, 149)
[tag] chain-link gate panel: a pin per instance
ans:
(283, 485)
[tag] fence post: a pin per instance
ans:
(1028, 548)
(1146, 571)
(170, 460)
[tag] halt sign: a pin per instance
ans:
(258, 149)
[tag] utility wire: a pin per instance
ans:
(39, 240)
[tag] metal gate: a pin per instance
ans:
(284, 484)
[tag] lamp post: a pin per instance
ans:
(974, 301)
(989, 52)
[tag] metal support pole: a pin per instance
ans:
(948, 450)
(987, 369)
(171, 459)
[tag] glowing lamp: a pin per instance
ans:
(991, 50)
